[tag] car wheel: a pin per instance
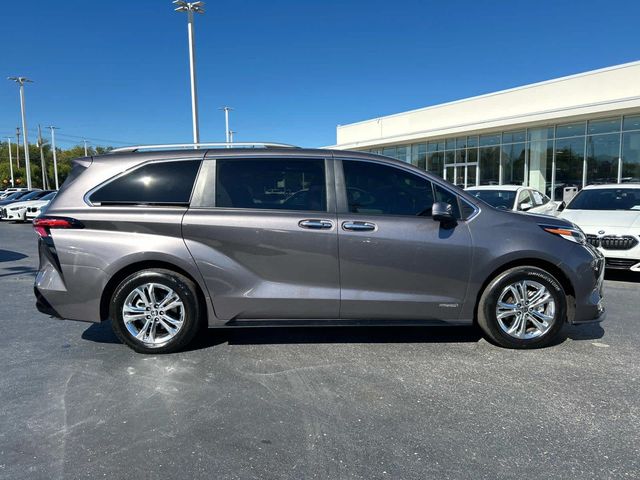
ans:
(155, 311)
(523, 307)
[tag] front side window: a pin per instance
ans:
(378, 189)
(159, 183)
(523, 199)
(538, 198)
(277, 184)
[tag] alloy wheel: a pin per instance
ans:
(525, 310)
(153, 314)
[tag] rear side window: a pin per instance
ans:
(280, 184)
(161, 183)
(377, 189)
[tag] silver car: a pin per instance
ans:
(163, 242)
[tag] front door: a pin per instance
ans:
(263, 234)
(396, 263)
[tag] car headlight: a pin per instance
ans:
(575, 235)
(13, 209)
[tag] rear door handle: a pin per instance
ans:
(359, 226)
(315, 224)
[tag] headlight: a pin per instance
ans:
(13, 209)
(568, 233)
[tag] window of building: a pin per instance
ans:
(488, 140)
(513, 156)
(569, 163)
(570, 129)
(631, 123)
(630, 157)
(419, 155)
(159, 183)
(291, 184)
(435, 163)
(602, 158)
(514, 137)
(489, 165)
(607, 125)
(377, 189)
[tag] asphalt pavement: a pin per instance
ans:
(312, 403)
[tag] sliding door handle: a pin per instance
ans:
(359, 226)
(315, 224)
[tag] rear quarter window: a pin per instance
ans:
(159, 183)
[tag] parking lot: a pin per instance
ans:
(312, 402)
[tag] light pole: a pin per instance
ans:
(18, 147)
(42, 163)
(13, 184)
(21, 81)
(86, 153)
(226, 123)
(231, 132)
(191, 8)
(55, 158)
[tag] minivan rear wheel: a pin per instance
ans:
(523, 307)
(155, 311)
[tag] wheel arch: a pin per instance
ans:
(124, 272)
(532, 262)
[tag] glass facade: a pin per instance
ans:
(548, 158)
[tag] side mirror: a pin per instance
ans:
(561, 206)
(443, 213)
(525, 206)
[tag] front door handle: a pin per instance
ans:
(359, 226)
(315, 224)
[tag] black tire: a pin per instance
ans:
(487, 317)
(181, 285)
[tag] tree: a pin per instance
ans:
(65, 164)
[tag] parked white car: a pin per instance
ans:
(36, 208)
(610, 217)
(515, 197)
(5, 193)
(17, 211)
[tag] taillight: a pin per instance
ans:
(43, 225)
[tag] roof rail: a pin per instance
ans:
(171, 146)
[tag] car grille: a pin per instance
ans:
(613, 242)
(32, 209)
(624, 263)
(3, 212)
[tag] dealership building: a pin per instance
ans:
(567, 132)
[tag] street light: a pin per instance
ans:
(226, 122)
(11, 162)
(191, 8)
(55, 158)
(21, 81)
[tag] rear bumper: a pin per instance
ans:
(72, 297)
(43, 305)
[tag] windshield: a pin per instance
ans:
(31, 196)
(607, 199)
(13, 195)
(49, 196)
(496, 198)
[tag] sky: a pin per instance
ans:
(117, 72)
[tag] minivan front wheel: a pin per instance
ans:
(155, 311)
(523, 307)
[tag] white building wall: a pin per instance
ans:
(614, 90)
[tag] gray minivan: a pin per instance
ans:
(164, 241)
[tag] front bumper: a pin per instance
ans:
(589, 306)
(12, 215)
